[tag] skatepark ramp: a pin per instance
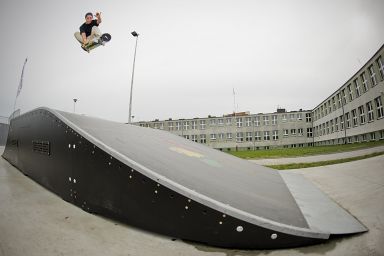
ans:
(3, 133)
(164, 183)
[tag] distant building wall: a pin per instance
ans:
(354, 112)
(244, 131)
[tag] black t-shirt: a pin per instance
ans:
(87, 28)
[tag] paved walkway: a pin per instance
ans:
(318, 158)
(33, 221)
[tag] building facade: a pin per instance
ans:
(244, 131)
(353, 113)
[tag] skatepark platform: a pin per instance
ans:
(160, 182)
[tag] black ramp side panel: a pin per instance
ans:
(254, 189)
(161, 182)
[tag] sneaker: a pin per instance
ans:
(85, 49)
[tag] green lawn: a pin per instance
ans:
(322, 163)
(306, 151)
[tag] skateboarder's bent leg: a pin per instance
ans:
(96, 33)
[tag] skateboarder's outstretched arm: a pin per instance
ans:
(98, 16)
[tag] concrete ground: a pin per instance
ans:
(33, 221)
(318, 158)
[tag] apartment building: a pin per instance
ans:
(354, 112)
(244, 131)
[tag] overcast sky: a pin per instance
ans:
(190, 56)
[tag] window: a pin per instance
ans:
(308, 117)
(373, 75)
(381, 67)
(357, 87)
(248, 136)
(186, 126)
(186, 137)
(300, 132)
(220, 122)
(221, 136)
(178, 126)
(275, 135)
(284, 118)
(299, 116)
(333, 103)
(341, 122)
(344, 96)
(309, 132)
(257, 121)
(266, 120)
(327, 125)
(336, 124)
(348, 120)
(373, 136)
(213, 136)
(379, 107)
(371, 117)
(203, 138)
(362, 115)
(285, 132)
(229, 136)
(257, 136)
(331, 125)
(194, 138)
(228, 120)
(354, 117)
(239, 122)
(202, 124)
(170, 126)
(292, 117)
(364, 81)
(248, 121)
(193, 125)
(274, 120)
(350, 92)
(293, 131)
(329, 106)
(339, 100)
(239, 137)
(266, 135)
(213, 122)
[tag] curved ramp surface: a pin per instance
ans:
(164, 183)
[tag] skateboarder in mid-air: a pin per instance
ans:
(89, 32)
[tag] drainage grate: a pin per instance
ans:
(42, 147)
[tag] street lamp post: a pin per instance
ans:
(135, 34)
(74, 105)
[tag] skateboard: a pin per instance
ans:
(96, 42)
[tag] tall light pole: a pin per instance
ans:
(74, 105)
(135, 34)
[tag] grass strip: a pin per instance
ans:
(305, 151)
(322, 163)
